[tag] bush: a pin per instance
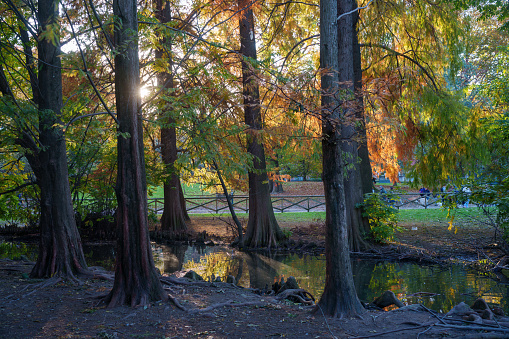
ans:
(17, 251)
(382, 215)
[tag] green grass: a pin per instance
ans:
(433, 215)
(300, 216)
(422, 215)
(404, 215)
(281, 217)
(191, 190)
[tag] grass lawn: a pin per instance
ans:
(437, 214)
(300, 217)
(192, 190)
(281, 217)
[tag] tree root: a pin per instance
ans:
(301, 295)
(227, 303)
(96, 274)
(38, 286)
(230, 303)
(393, 331)
(444, 325)
(475, 328)
(177, 281)
(177, 303)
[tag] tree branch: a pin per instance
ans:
(354, 10)
(88, 115)
(31, 183)
(396, 53)
(86, 69)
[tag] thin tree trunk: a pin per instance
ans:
(136, 280)
(173, 220)
(60, 250)
(339, 297)
(230, 206)
(262, 227)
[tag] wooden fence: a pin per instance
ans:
(300, 203)
(429, 200)
(218, 204)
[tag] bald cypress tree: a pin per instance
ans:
(262, 227)
(136, 280)
(339, 297)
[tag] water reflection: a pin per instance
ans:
(439, 288)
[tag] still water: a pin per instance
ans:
(438, 288)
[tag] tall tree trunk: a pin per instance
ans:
(353, 141)
(136, 280)
(262, 227)
(366, 173)
(60, 251)
(339, 297)
(173, 220)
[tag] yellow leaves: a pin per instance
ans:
(451, 225)
(51, 33)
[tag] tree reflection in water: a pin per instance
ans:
(444, 287)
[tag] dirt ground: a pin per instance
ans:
(29, 309)
(35, 309)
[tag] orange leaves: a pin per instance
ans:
(279, 177)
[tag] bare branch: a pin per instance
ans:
(354, 10)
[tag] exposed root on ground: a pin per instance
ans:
(230, 303)
(36, 287)
(177, 303)
(297, 295)
(394, 331)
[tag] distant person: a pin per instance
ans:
(427, 192)
(467, 192)
(422, 191)
(382, 190)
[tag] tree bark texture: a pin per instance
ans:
(339, 297)
(262, 227)
(358, 226)
(173, 220)
(366, 173)
(136, 280)
(60, 250)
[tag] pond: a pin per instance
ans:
(438, 288)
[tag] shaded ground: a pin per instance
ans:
(29, 309)
(63, 310)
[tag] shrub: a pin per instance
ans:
(382, 215)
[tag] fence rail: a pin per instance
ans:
(303, 203)
(427, 200)
(218, 204)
